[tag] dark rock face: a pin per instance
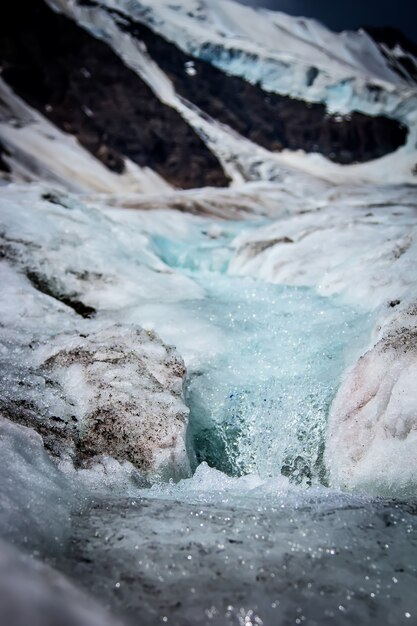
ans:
(390, 37)
(3, 165)
(84, 88)
(270, 120)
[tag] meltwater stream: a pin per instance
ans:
(256, 536)
(259, 398)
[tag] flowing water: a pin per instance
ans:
(256, 535)
(259, 403)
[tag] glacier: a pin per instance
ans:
(208, 396)
(351, 73)
(239, 460)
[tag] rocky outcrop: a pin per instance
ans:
(85, 89)
(268, 119)
(400, 52)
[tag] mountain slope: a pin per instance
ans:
(81, 85)
(195, 94)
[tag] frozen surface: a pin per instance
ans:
(264, 361)
(372, 435)
(354, 76)
(322, 560)
(36, 498)
(39, 150)
(91, 387)
(364, 253)
(294, 329)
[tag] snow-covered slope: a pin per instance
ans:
(247, 93)
(198, 25)
(298, 58)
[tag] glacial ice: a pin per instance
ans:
(257, 472)
(241, 159)
(91, 387)
(264, 361)
(203, 552)
(271, 312)
(372, 425)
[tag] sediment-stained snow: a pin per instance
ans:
(91, 387)
(362, 247)
(86, 277)
(358, 243)
(372, 435)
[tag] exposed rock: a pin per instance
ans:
(400, 52)
(269, 119)
(4, 167)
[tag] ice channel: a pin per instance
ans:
(255, 536)
(260, 391)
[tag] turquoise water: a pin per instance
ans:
(260, 403)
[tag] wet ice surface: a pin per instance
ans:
(325, 559)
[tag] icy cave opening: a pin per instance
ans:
(260, 391)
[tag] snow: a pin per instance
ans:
(361, 246)
(93, 387)
(372, 426)
(334, 333)
(272, 48)
(229, 560)
(273, 34)
(36, 498)
(343, 261)
(292, 307)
